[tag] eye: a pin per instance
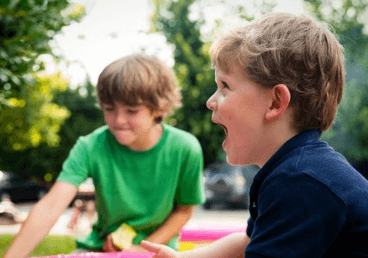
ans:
(108, 108)
(132, 111)
(225, 85)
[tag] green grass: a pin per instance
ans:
(51, 245)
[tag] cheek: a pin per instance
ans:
(108, 118)
(227, 116)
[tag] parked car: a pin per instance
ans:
(228, 185)
(19, 188)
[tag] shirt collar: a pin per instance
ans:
(295, 142)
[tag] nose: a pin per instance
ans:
(119, 118)
(212, 102)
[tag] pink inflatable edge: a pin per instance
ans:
(101, 255)
(192, 233)
(189, 234)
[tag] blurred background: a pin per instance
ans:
(52, 51)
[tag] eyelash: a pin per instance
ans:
(225, 85)
(108, 108)
(132, 111)
(129, 111)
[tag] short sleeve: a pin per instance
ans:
(75, 167)
(298, 216)
(190, 187)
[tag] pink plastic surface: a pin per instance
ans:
(209, 232)
(102, 255)
(190, 233)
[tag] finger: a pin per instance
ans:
(109, 246)
(106, 247)
(115, 247)
(151, 247)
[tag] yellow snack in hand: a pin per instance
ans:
(123, 236)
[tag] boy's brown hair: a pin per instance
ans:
(294, 50)
(138, 79)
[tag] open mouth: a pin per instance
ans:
(223, 127)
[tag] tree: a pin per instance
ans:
(45, 162)
(193, 72)
(28, 115)
(32, 118)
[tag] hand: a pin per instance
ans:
(109, 245)
(161, 251)
(135, 249)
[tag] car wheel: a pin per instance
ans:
(41, 194)
(4, 196)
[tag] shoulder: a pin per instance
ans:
(181, 138)
(313, 159)
(323, 163)
(98, 132)
(324, 168)
(93, 139)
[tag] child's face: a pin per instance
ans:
(133, 127)
(239, 105)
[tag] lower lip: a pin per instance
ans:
(224, 143)
(121, 133)
(121, 130)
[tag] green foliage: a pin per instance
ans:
(45, 162)
(26, 30)
(31, 118)
(51, 245)
(28, 115)
(193, 71)
(349, 134)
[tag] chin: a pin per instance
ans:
(233, 162)
(237, 162)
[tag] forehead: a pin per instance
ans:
(232, 70)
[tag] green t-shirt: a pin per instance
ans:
(140, 188)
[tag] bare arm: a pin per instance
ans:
(41, 219)
(228, 247)
(171, 227)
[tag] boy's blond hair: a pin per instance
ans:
(294, 50)
(138, 79)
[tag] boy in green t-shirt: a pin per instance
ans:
(140, 166)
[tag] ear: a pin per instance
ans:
(158, 113)
(280, 100)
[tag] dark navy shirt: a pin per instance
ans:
(308, 201)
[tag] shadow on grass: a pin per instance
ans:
(51, 245)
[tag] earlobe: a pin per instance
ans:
(280, 100)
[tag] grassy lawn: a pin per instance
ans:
(51, 245)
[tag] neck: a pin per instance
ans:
(275, 136)
(152, 139)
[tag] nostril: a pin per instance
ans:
(210, 103)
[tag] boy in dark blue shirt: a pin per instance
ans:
(280, 80)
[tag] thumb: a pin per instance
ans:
(151, 247)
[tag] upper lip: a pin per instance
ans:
(120, 128)
(223, 127)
